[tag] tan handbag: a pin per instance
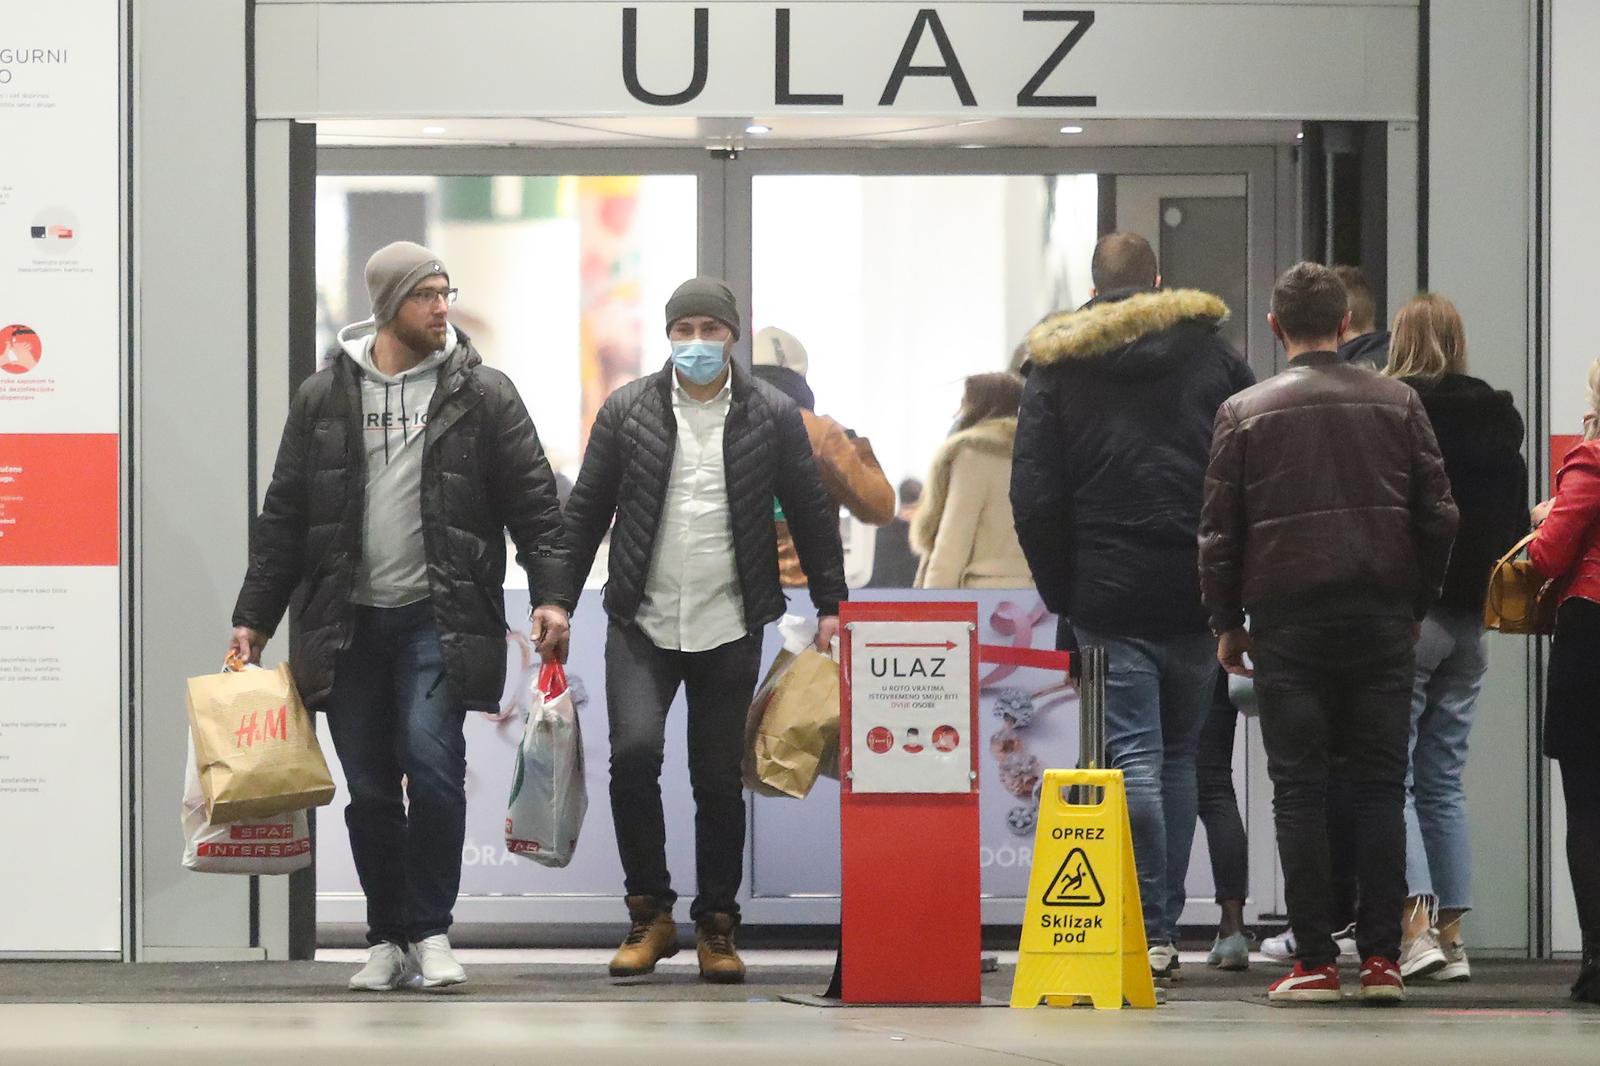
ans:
(1520, 599)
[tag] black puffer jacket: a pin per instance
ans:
(1480, 437)
(1109, 468)
(767, 454)
(483, 472)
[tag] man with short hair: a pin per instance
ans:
(403, 465)
(688, 462)
(1361, 342)
(1328, 520)
(1106, 482)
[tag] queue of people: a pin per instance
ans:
(1328, 532)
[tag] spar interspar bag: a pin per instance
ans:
(548, 794)
(280, 844)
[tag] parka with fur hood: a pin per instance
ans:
(963, 529)
(1112, 444)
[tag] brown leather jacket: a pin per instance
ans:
(852, 476)
(1326, 497)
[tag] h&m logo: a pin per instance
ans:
(252, 728)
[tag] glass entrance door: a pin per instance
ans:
(902, 272)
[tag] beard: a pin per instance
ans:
(423, 340)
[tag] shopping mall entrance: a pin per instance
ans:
(901, 268)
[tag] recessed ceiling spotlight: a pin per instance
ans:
(1300, 136)
(432, 130)
(756, 129)
(1071, 129)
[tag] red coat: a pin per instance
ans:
(1568, 543)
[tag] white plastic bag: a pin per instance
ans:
(548, 794)
(280, 844)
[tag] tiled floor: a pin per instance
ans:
(559, 1007)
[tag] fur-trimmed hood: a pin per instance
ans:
(1137, 333)
(996, 436)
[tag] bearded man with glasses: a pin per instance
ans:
(401, 469)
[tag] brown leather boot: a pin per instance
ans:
(719, 962)
(653, 937)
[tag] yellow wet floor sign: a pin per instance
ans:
(1083, 937)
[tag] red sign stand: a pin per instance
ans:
(911, 923)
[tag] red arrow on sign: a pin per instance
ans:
(948, 645)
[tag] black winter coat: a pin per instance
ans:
(767, 454)
(1480, 436)
(483, 473)
(1112, 445)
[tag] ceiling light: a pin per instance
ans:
(432, 130)
(972, 146)
(1299, 136)
(756, 129)
(1071, 129)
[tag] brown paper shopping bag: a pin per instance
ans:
(255, 746)
(792, 733)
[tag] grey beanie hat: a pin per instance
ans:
(393, 271)
(704, 296)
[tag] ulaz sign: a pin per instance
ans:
(1066, 29)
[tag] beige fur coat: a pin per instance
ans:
(963, 530)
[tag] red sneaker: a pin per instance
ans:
(1381, 982)
(1300, 985)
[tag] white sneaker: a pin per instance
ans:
(389, 966)
(1456, 967)
(1281, 948)
(438, 962)
(1423, 957)
(1164, 963)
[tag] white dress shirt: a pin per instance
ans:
(692, 599)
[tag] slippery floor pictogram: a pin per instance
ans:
(1075, 884)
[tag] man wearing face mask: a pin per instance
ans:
(688, 461)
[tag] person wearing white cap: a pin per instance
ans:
(845, 461)
(402, 467)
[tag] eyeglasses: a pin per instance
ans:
(427, 296)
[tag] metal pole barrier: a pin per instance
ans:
(1091, 718)
(1092, 710)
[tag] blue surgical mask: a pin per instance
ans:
(699, 361)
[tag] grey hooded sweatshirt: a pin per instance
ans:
(394, 421)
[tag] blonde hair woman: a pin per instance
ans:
(1568, 549)
(1480, 437)
(964, 529)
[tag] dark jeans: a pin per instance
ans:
(1331, 690)
(641, 681)
(1219, 804)
(393, 719)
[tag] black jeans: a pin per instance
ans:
(393, 718)
(641, 681)
(1219, 804)
(1332, 690)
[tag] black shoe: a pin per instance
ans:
(1586, 989)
